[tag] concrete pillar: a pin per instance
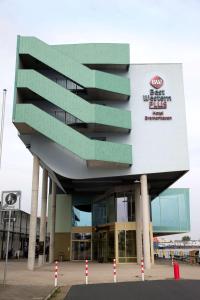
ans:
(116, 245)
(145, 222)
(138, 219)
(152, 248)
(52, 223)
(41, 259)
(33, 216)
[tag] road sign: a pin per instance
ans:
(11, 200)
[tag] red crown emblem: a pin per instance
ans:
(156, 82)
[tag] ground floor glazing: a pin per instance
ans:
(103, 243)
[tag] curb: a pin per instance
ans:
(53, 291)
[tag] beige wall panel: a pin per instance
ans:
(62, 245)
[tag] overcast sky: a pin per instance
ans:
(158, 31)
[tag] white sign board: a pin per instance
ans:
(158, 119)
(11, 200)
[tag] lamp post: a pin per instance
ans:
(2, 121)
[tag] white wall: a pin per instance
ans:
(158, 145)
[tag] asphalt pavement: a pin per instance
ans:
(148, 290)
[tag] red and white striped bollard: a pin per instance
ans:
(86, 271)
(142, 269)
(56, 274)
(114, 271)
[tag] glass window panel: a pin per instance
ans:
(125, 209)
(81, 218)
(75, 246)
(111, 209)
(130, 243)
(99, 213)
(169, 215)
(170, 211)
(131, 209)
(104, 211)
(102, 246)
(127, 244)
(111, 245)
(88, 250)
(121, 243)
(81, 236)
(81, 250)
(60, 115)
(122, 209)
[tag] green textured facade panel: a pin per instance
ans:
(30, 49)
(102, 53)
(69, 138)
(112, 116)
(70, 102)
(171, 211)
(72, 69)
(113, 83)
(16, 73)
(110, 150)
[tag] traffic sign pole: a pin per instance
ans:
(7, 247)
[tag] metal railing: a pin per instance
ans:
(66, 117)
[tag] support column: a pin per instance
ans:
(116, 245)
(145, 221)
(138, 220)
(152, 246)
(33, 215)
(52, 223)
(41, 259)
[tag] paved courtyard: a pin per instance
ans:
(24, 292)
(72, 273)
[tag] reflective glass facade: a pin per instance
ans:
(127, 245)
(104, 245)
(170, 211)
(81, 215)
(125, 208)
(103, 229)
(81, 246)
(118, 207)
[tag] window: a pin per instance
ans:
(125, 208)
(127, 245)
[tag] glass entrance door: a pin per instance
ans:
(81, 246)
(103, 246)
(127, 246)
(81, 250)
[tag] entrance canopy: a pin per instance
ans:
(157, 182)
